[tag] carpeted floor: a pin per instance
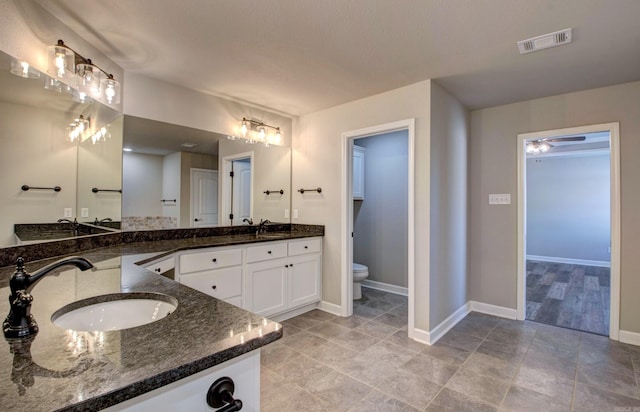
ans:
(570, 296)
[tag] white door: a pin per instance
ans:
(204, 197)
(241, 206)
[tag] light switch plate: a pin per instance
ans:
(84, 212)
(286, 213)
(295, 213)
(500, 199)
(68, 212)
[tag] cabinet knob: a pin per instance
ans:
(197, 220)
(269, 252)
(306, 247)
(286, 266)
(291, 265)
(214, 287)
(214, 260)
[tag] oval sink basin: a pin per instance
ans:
(114, 312)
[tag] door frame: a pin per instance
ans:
(614, 159)
(347, 212)
(225, 185)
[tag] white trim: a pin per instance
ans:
(346, 214)
(632, 338)
(445, 326)
(330, 308)
(385, 287)
(295, 312)
(225, 187)
(422, 336)
(614, 144)
(489, 309)
(570, 261)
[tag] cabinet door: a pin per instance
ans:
(358, 173)
(266, 287)
(304, 279)
(221, 283)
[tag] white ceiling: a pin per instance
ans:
(300, 56)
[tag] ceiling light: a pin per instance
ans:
(126, 149)
(91, 80)
(545, 41)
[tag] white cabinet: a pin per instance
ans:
(190, 393)
(358, 172)
(278, 285)
(216, 272)
(267, 278)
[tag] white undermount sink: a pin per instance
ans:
(114, 312)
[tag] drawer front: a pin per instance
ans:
(221, 284)
(215, 259)
(162, 266)
(266, 252)
(301, 247)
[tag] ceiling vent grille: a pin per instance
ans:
(545, 41)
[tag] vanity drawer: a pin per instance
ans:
(215, 259)
(266, 251)
(301, 247)
(162, 266)
(221, 283)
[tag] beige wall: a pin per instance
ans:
(317, 158)
(492, 169)
(449, 136)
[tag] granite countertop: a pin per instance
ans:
(65, 370)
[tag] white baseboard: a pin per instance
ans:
(583, 262)
(632, 338)
(422, 336)
(330, 308)
(494, 310)
(385, 287)
(443, 327)
(295, 312)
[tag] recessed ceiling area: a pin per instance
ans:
(300, 56)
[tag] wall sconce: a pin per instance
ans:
(255, 131)
(91, 80)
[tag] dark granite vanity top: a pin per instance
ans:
(65, 370)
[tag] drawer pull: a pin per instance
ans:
(158, 270)
(214, 287)
(214, 260)
(286, 266)
(306, 247)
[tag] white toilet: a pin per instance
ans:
(360, 273)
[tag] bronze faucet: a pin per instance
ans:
(20, 323)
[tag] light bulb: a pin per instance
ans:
(544, 147)
(60, 56)
(261, 134)
(110, 92)
(244, 128)
(278, 138)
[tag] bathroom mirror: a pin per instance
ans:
(179, 177)
(36, 152)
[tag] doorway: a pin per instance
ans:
(568, 228)
(406, 129)
(237, 199)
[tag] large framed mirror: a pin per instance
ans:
(43, 174)
(181, 177)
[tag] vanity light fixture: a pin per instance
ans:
(91, 80)
(78, 127)
(23, 69)
(255, 131)
(537, 147)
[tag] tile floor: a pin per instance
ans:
(571, 296)
(366, 363)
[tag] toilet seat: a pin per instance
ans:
(357, 267)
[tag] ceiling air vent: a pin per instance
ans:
(545, 41)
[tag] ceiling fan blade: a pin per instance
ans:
(566, 139)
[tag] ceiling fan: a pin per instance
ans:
(543, 145)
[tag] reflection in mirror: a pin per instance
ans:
(37, 151)
(179, 177)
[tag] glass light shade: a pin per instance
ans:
(51, 83)
(111, 90)
(23, 69)
(62, 62)
(278, 138)
(544, 147)
(89, 79)
(244, 129)
(262, 134)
